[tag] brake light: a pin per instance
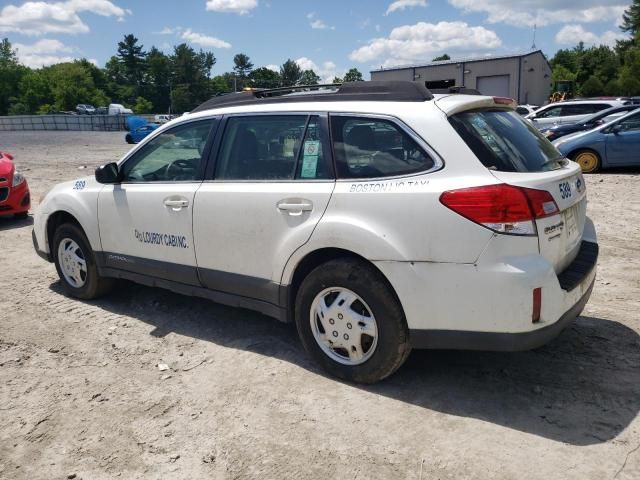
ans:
(503, 100)
(502, 208)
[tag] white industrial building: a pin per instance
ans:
(525, 77)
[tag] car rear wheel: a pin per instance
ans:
(75, 263)
(350, 321)
(588, 160)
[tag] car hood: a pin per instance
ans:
(6, 166)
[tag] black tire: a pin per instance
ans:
(393, 345)
(129, 139)
(95, 286)
(21, 216)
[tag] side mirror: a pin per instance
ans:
(616, 129)
(108, 173)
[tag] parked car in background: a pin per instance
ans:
(84, 109)
(526, 109)
(102, 111)
(162, 119)
(571, 111)
(600, 118)
(15, 198)
(139, 133)
(118, 109)
(614, 144)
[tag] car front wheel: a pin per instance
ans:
(350, 321)
(588, 160)
(75, 263)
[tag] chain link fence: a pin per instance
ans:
(93, 123)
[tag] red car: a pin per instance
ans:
(14, 191)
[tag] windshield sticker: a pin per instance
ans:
(387, 186)
(310, 159)
(162, 239)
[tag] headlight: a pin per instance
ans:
(18, 178)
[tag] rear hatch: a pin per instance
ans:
(517, 154)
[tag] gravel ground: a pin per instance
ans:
(81, 391)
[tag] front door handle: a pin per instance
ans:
(176, 204)
(295, 207)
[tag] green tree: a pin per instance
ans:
(264, 77)
(337, 80)
(242, 66)
(133, 59)
(631, 19)
(11, 73)
(71, 84)
(441, 58)
(309, 77)
(158, 80)
(630, 72)
(190, 72)
(290, 73)
(353, 75)
(35, 90)
(592, 87)
(143, 105)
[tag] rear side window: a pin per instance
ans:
(503, 141)
(373, 147)
(579, 109)
(278, 147)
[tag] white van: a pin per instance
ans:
(118, 109)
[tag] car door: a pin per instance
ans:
(623, 141)
(272, 181)
(146, 220)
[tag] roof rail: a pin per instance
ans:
(390, 91)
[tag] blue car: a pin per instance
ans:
(614, 144)
(139, 133)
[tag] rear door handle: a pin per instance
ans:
(176, 204)
(295, 207)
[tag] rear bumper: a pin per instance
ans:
(488, 306)
(498, 342)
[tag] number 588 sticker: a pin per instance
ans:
(565, 190)
(79, 185)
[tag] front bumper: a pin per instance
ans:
(15, 200)
(42, 254)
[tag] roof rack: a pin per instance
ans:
(389, 91)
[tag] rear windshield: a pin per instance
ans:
(503, 141)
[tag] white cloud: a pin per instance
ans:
(326, 70)
(526, 13)
(272, 67)
(402, 4)
(204, 40)
(241, 7)
(573, 34)
(43, 53)
(318, 24)
(167, 31)
(417, 43)
(37, 18)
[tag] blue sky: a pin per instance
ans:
(330, 36)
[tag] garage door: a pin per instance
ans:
(495, 85)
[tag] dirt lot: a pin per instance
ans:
(81, 392)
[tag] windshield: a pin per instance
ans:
(503, 141)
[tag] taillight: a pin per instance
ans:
(502, 208)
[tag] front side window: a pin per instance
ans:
(174, 155)
(630, 124)
(272, 147)
(550, 112)
(372, 147)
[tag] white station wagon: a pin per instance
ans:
(376, 216)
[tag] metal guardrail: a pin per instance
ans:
(94, 123)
